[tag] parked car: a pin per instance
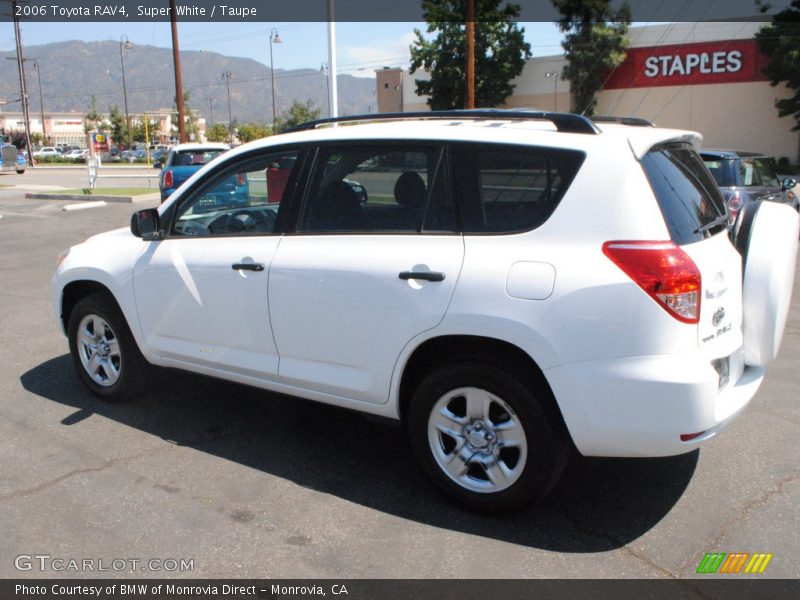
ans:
(746, 176)
(77, 155)
(11, 158)
(183, 161)
(467, 292)
(47, 151)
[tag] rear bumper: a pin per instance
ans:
(641, 406)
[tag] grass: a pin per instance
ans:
(129, 191)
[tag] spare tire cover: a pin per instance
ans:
(769, 250)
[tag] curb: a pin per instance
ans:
(98, 198)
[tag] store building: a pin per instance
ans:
(707, 77)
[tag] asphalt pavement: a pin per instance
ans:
(238, 482)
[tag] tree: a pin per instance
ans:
(779, 41)
(189, 119)
(218, 133)
(119, 129)
(92, 119)
(500, 53)
(596, 42)
(252, 131)
(297, 114)
(138, 133)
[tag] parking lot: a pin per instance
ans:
(245, 483)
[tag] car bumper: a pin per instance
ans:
(641, 406)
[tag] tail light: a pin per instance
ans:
(240, 179)
(734, 201)
(664, 271)
(168, 181)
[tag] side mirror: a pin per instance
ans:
(144, 224)
(788, 184)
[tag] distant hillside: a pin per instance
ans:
(73, 71)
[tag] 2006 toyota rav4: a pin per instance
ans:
(509, 285)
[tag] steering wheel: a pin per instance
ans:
(247, 220)
(193, 228)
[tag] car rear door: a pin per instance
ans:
(695, 216)
(373, 261)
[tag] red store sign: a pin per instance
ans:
(731, 61)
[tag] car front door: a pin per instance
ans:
(201, 292)
(372, 262)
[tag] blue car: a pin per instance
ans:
(11, 159)
(185, 160)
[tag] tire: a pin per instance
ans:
(20, 171)
(484, 408)
(109, 363)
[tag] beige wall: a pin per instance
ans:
(740, 116)
(389, 90)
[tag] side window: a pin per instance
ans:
(506, 189)
(377, 189)
(243, 198)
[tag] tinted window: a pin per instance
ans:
(721, 170)
(504, 189)
(686, 192)
(758, 172)
(377, 188)
(243, 198)
(184, 158)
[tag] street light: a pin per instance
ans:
(274, 38)
(555, 75)
(324, 70)
(227, 77)
(125, 44)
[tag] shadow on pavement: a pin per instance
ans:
(599, 505)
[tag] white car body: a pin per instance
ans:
(330, 321)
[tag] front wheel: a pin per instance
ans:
(485, 438)
(103, 349)
(20, 171)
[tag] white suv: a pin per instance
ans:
(509, 285)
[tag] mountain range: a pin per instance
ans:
(75, 72)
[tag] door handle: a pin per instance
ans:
(426, 275)
(247, 267)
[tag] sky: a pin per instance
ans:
(361, 47)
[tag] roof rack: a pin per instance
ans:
(632, 121)
(564, 122)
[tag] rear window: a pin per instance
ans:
(506, 189)
(185, 158)
(686, 192)
(758, 172)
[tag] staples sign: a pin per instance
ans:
(730, 61)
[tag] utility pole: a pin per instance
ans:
(41, 98)
(125, 44)
(332, 89)
(22, 87)
(210, 111)
(274, 38)
(470, 54)
(227, 77)
(176, 59)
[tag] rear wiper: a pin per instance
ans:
(711, 224)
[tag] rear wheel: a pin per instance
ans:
(485, 438)
(103, 350)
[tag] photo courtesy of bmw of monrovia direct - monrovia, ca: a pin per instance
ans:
(513, 286)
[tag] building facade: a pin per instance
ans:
(706, 77)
